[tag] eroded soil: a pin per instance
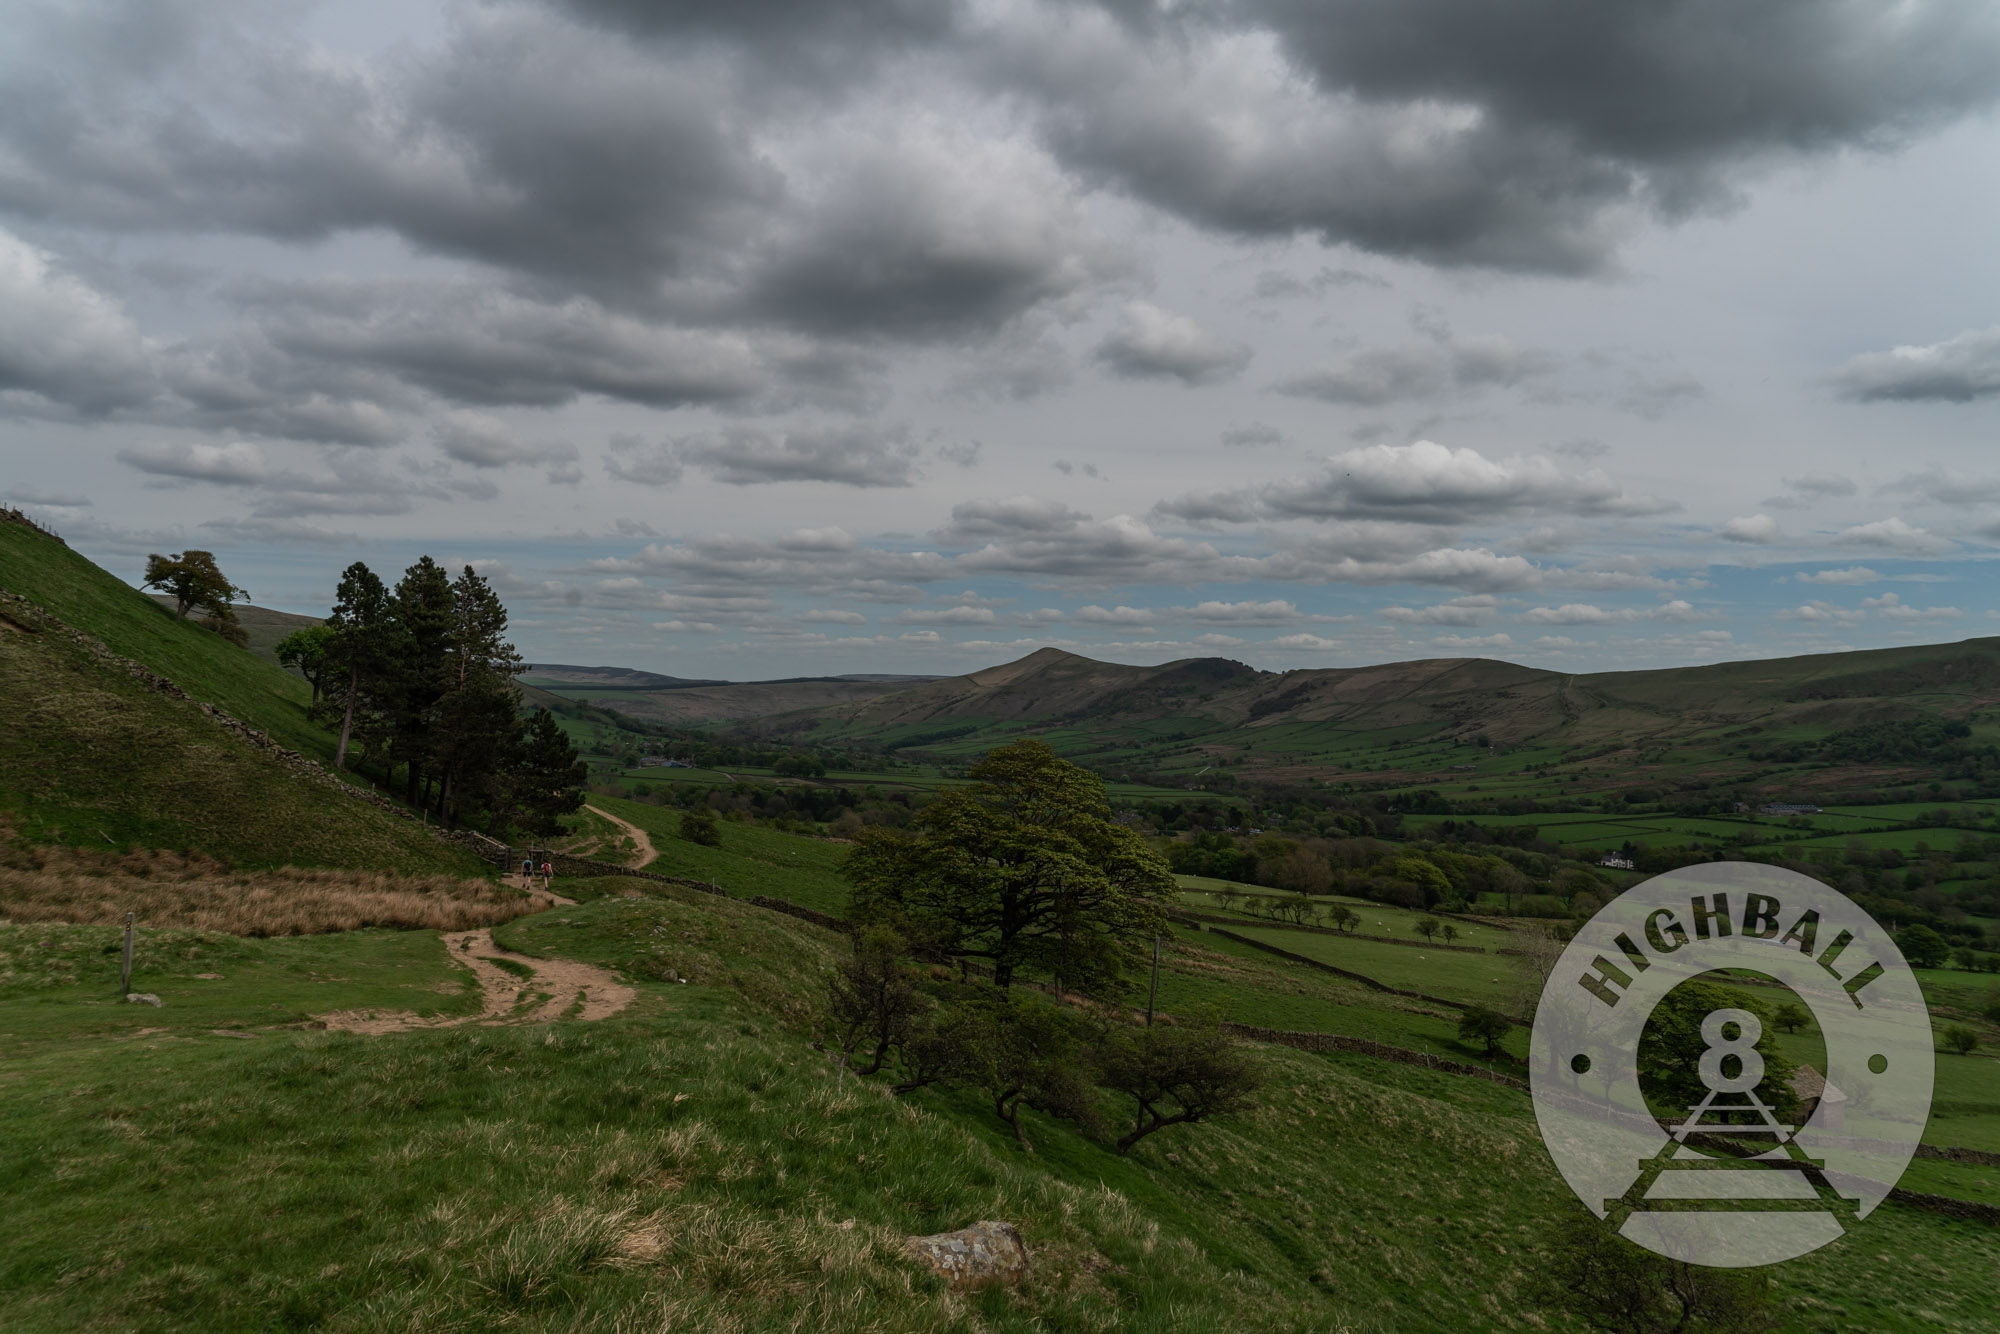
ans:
(556, 989)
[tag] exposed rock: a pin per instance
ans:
(143, 998)
(975, 1257)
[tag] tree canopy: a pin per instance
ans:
(305, 652)
(1672, 1045)
(195, 583)
(1025, 868)
(423, 678)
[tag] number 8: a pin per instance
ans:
(1743, 1047)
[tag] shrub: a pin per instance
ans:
(1484, 1026)
(1613, 1285)
(698, 826)
(1963, 1041)
(870, 999)
(1923, 947)
(1176, 1076)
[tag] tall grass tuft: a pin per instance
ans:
(169, 889)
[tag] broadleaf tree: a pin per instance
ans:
(1025, 868)
(306, 652)
(195, 582)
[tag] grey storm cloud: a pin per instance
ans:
(528, 144)
(984, 520)
(65, 348)
(473, 343)
(801, 37)
(1947, 488)
(710, 203)
(1151, 343)
(1461, 132)
(235, 463)
(345, 482)
(1421, 483)
(1441, 368)
(862, 455)
(1957, 370)
(543, 140)
(1272, 284)
(1472, 610)
(1802, 492)
(1216, 612)
(933, 233)
(484, 442)
(1253, 436)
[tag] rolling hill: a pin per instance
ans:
(130, 729)
(683, 702)
(1428, 721)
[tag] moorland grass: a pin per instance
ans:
(91, 755)
(59, 986)
(203, 895)
(752, 859)
(133, 625)
(693, 1163)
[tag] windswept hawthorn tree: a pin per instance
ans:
(1025, 868)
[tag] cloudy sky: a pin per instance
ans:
(768, 337)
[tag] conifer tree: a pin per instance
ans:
(422, 609)
(548, 783)
(360, 654)
(475, 724)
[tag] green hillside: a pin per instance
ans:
(694, 1163)
(133, 625)
(95, 755)
(262, 626)
(1843, 721)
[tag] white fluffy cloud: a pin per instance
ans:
(1754, 529)
(1892, 534)
(1957, 370)
(65, 348)
(234, 463)
(1153, 343)
(1424, 482)
(1472, 610)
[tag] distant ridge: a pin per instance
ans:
(1721, 723)
(631, 678)
(684, 700)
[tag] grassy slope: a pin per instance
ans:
(1204, 971)
(262, 626)
(692, 1163)
(1404, 724)
(751, 860)
(92, 755)
(59, 983)
(133, 625)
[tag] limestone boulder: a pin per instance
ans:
(974, 1257)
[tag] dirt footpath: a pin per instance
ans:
(647, 852)
(558, 989)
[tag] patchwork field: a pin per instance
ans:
(692, 1161)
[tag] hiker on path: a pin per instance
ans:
(548, 877)
(527, 873)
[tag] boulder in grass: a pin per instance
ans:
(975, 1257)
(142, 998)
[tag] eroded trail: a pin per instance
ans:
(647, 852)
(556, 989)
